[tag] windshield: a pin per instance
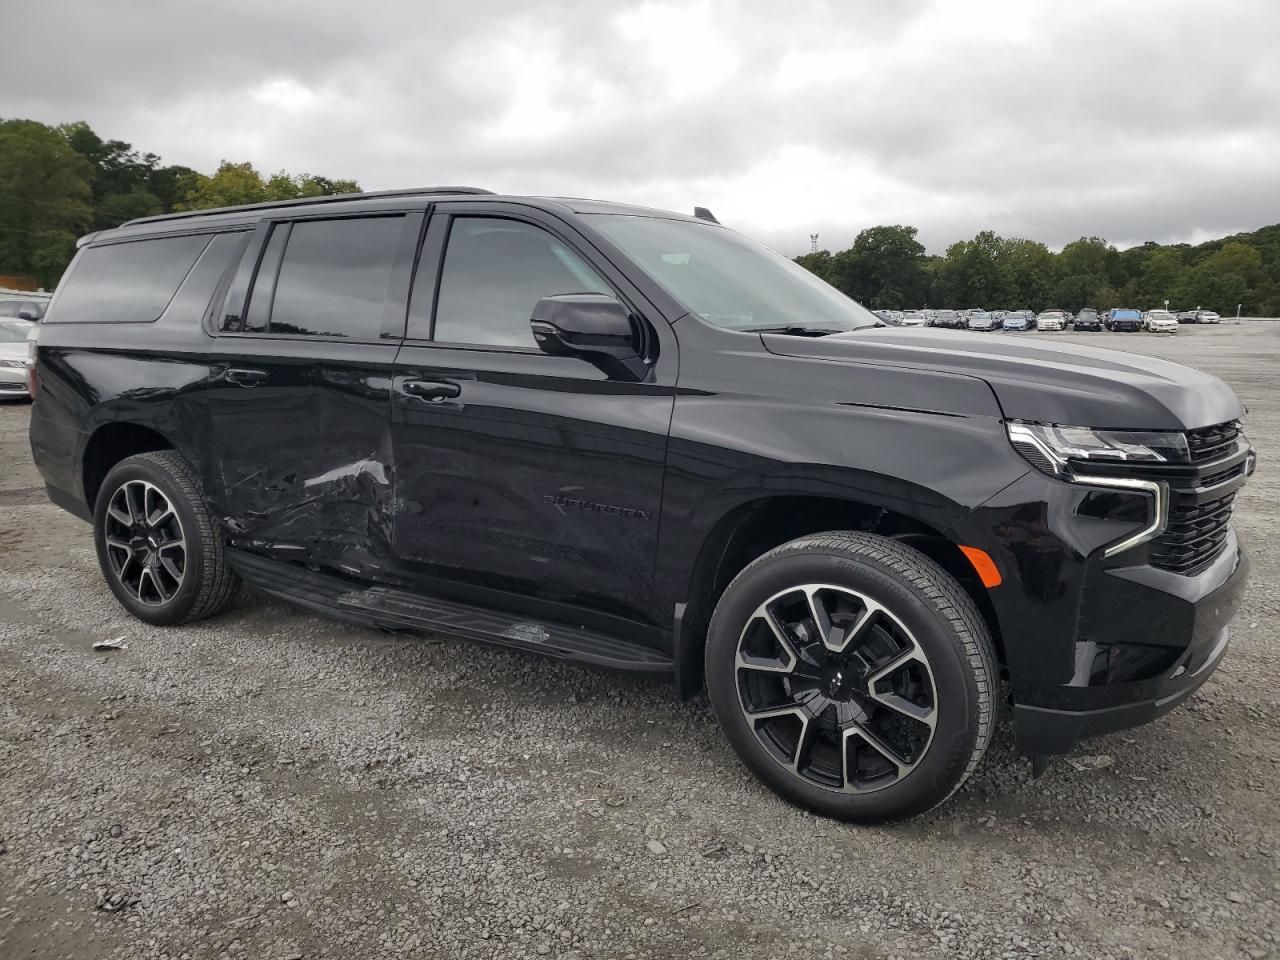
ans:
(1126, 314)
(729, 280)
(15, 331)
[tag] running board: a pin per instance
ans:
(389, 607)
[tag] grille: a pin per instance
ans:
(1194, 537)
(1222, 476)
(1210, 443)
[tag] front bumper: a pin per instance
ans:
(1092, 643)
(13, 382)
(1107, 703)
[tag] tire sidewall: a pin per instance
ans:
(177, 609)
(957, 728)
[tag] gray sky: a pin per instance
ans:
(1047, 119)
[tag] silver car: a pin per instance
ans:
(15, 357)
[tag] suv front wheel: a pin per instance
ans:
(158, 547)
(853, 675)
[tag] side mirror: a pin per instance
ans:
(592, 326)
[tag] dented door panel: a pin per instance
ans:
(305, 453)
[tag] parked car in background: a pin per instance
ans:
(1207, 316)
(1187, 316)
(1159, 321)
(15, 357)
(1050, 321)
(684, 459)
(1017, 320)
(1123, 320)
(913, 318)
(1088, 319)
(949, 319)
(32, 310)
(981, 320)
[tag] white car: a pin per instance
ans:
(914, 318)
(1207, 316)
(1051, 320)
(15, 357)
(981, 320)
(1161, 321)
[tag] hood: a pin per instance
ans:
(1036, 380)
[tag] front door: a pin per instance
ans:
(301, 384)
(533, 475)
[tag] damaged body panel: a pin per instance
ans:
(306, 452)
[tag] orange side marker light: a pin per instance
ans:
(987, 570)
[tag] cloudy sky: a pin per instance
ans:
(1048, 119)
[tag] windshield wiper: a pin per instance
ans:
(795, 330)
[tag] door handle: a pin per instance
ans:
(431, 390)
(244, 377)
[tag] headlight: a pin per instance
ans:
(13, 363)
(1051, 448)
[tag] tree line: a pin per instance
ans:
(58, 183)
(887, 268)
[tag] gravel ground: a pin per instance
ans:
(269, 784)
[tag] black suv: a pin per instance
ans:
(638, 440)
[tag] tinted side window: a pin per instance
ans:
(494, 272)
(192, 298)
(334, 276)
(126, 281)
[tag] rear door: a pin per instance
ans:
(301, 386)
(535, 475)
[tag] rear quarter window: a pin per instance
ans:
(126, 282)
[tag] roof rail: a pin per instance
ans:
(306, 201)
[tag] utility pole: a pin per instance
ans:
(813, 243)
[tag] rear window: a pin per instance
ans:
(126, 282)
(11, 308)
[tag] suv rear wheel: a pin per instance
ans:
(853, 675)
(157, 545)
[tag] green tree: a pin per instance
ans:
(818, 263)
(117, 208)
(1224, 279)
(45, 194)
(1161, 271)
(237, 183)
(883, 268)
(1028, 271)
(970, 272)
(231, 184)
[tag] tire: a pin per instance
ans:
(845, 734)
(171, 567)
